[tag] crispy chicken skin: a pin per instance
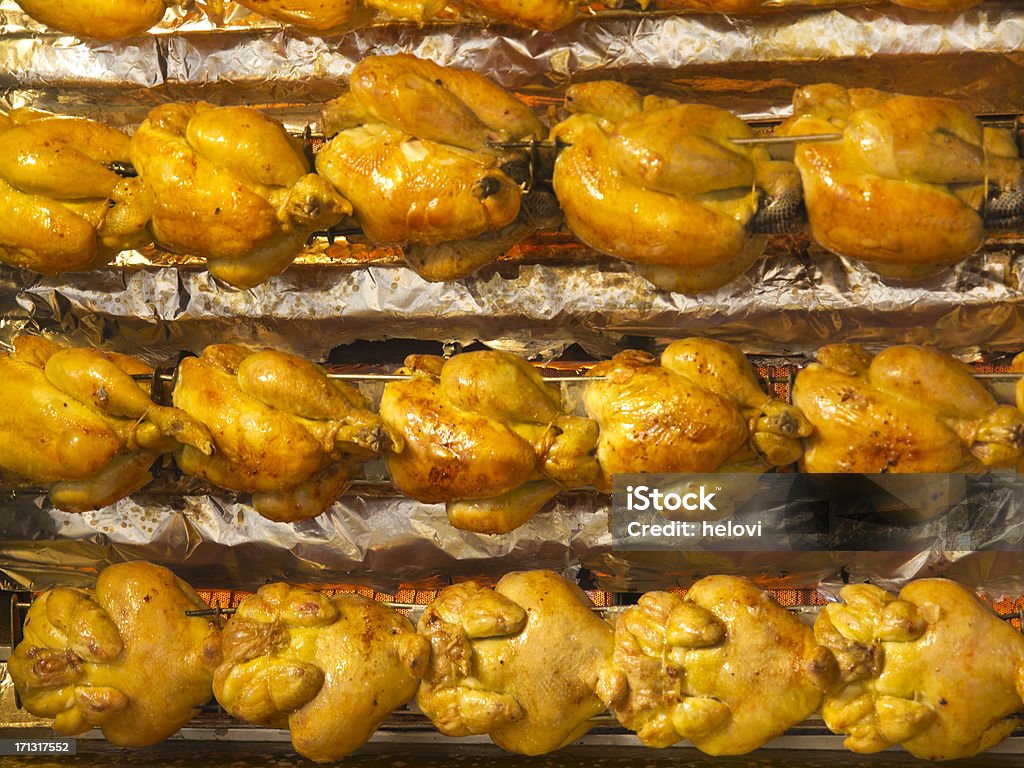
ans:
(902, 190)
(518, 662)
(727, 668)
(484, 433)
(531, 14)
(74, 419)
(660, 184)
(933, 670)
(318, 15)
(329, 669)
(64, 209)
(906, 409)
(700, 410)
(102, 19)
(123, 657)
(412, 151)
(283, 430)
(230, 186)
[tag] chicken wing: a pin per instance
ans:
(74, 419)
(661, 184)
(329, 669)
(903, 189)
(283, 430)
(412, 150)
(229, 185)
(906, 409)
(318, 15)
(700, 410)
(932, 670)
(64, 209)
(531, 14)
(102, 19)
(123, 657)
(484, 433)
(519, 662)
(727, 668)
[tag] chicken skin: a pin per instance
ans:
(727, 668)
(906, 409)
(903, 190)
(701, 410)
(412, 151)
(318, 15)
(123, 657)
(484, 433)
(518, 662)
(660, 184)
(230, 186)
(283, 430)
(329, 669)
(64, 209)
(102, 19)
(74, 419)
(932, 670)
(531, 14)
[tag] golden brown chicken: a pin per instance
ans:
(701, 410)
(661, 184)
(519, 662)
(329, 669)
(123, 657)
(412, 151)
(484, 433)
(230, 186)
(74, 419)
(103, 19)
(531, 14)
(903, 189)
(727, 668)
(319, 15)
(64, 209)
(283, 430)
(906, 409)
(932, 670)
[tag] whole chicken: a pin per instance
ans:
(904, 188)
(103, 19)
(412, 150)
(727, 668)
(123, 657)
(906, 409)
(484, 433)
(329, 669)
(283, 430)
(932, 670)
(518, 662)
(701, 410)
(64, 209)
(661, 184)
(74, 419)
(230, 186)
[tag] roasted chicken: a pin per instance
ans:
(660, 184)
(727, 668)
(531, 14)
(283, 430)
(412, 150)
(484, 433)
(701, 410)
(230, 186)
(123, 657)
(74, 419)
(318, 15)
(103, 19)
(903, 189)
(329, 669)
(933, 670)
(519, 662)
(64, 209)
(906, 409)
